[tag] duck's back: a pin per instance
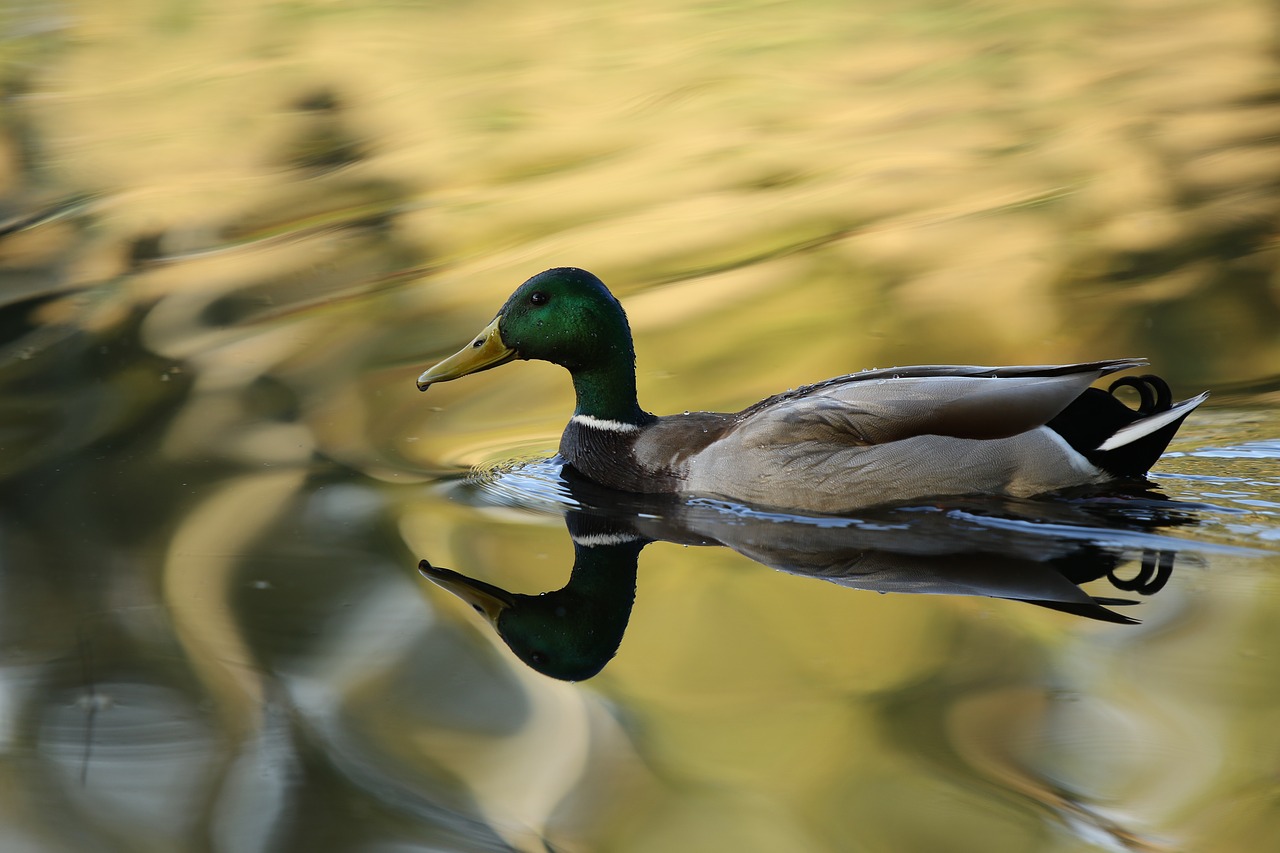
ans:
(903, 434)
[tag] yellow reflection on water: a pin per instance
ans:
(249, 226)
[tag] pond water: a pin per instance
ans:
(234, 234)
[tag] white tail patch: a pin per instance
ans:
(600, 423)
(1144, 427)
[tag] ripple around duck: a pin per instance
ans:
(495, 453)
(532, 484)
(1266, 449)
(540, 486)
(1109, 537)
(1236, 488)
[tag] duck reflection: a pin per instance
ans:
(572, 632)
(1037, 552)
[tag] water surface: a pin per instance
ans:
(233, 236)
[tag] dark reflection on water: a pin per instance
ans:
(1039, 552)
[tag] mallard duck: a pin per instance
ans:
(875, 437)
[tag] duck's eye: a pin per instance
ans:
(539, 298)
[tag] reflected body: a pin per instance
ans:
(854, 441)
(991, 548)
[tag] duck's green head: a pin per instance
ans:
(564, 315)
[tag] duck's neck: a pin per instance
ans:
(604, 571)
(607, 394)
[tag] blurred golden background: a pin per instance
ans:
(232, 234)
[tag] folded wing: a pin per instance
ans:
(882, 406)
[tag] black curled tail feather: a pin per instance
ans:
(1093, 423)
(1154, 391)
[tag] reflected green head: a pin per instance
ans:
(570, 633)
(565, 634)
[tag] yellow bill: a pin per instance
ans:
(486, 599)
(486, 351)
